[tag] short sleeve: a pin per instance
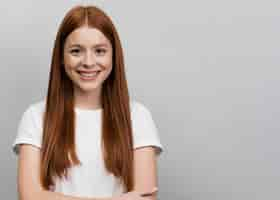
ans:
(27, 131)
(145, 132)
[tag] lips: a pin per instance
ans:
(87, 76)
(82, 71)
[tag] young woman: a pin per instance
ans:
(87, 139)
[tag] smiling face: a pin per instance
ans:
(87, 58)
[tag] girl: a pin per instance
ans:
(87, 139)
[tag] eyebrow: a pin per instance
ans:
(97, 45)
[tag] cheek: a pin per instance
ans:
(70, 62)
(107, 62)
(107, 66)
(69, 69)
(70, 65)
(69, 72)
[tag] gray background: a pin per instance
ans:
(207, 70)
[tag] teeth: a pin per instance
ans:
(88, 74)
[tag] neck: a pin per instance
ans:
(88, 99)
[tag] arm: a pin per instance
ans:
(29, 187)
(145, 169)
(48, 195)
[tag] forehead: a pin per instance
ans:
(86, 36)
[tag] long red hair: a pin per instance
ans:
(58, 142)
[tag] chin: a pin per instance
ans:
(88, 87)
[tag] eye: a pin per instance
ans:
(74, 51)
(102, 51)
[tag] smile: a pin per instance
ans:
(88, 75)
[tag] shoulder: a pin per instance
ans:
(144, 128)
(29, 129)
(34, 111)
(140, 112)
(138, 107)
(36, 107)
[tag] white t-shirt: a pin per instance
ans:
(89, 179)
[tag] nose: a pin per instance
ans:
(88, 59)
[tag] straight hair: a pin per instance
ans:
(58, 152)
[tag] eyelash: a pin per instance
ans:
(77, 50)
